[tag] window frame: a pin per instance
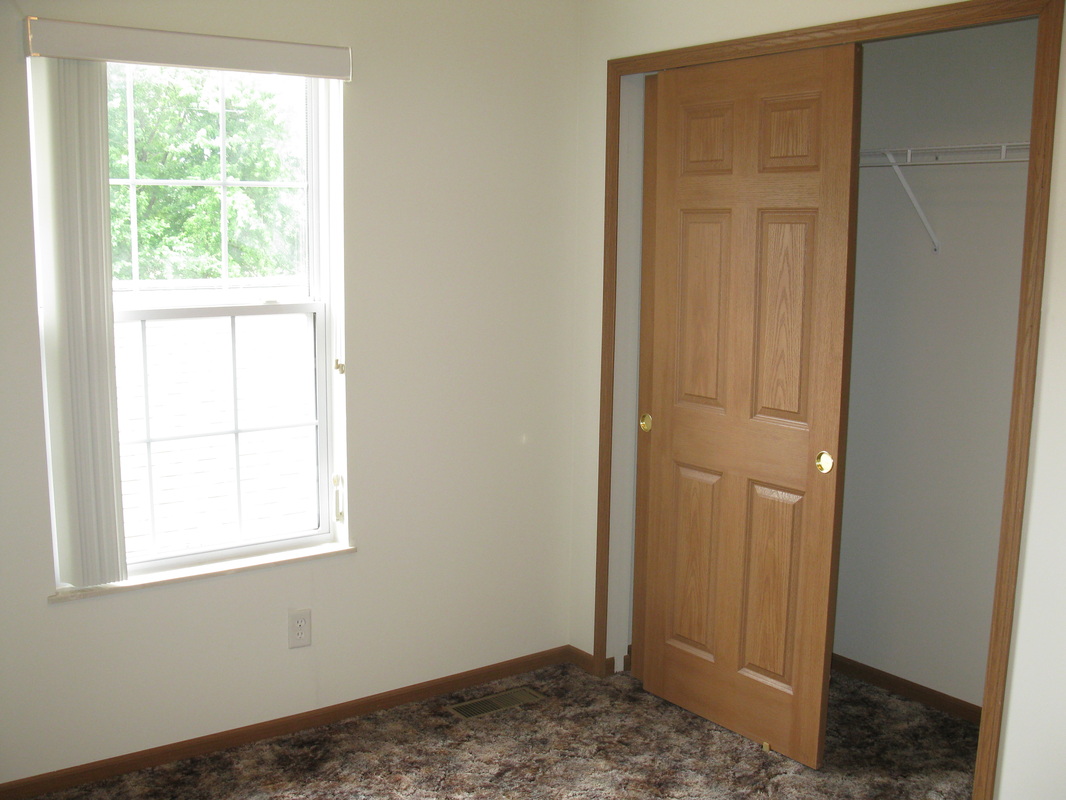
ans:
(327, 531)
(73, 577)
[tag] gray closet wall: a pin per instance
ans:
(933, 357)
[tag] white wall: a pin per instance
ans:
(933, 357)
(475, 208)
(460, 160)
(1031, 755)
(1036, 704)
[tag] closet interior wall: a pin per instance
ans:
(933, 357)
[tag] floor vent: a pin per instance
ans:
(496, 702)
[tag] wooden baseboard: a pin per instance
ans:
(905, 688)
(579, 658)
(110, 767)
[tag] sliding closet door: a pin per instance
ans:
(753, 193)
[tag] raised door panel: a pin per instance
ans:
(785, 248)
(694, 560)
(707, 138)
(790, 133)
(771, 551)
(705, 241)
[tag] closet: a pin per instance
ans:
(938, 269)
(938, 436)
(938, 266)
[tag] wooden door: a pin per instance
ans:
(753, 190)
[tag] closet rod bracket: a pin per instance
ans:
(914, 200)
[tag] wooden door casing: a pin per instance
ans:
(752, 247)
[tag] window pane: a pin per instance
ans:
(266, 127)
(136, 499)
(275, 370)
(117, 121)
(179, 232)
(220, 439)
(129, 379)
(190, 376)
(176, 119)
(121, 241)
(195, 488)
(268, 233)
(279, 482)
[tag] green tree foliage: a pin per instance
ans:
(197, 127)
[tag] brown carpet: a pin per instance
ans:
(591, 739)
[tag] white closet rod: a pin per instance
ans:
(1003, 153)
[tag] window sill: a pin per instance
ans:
(65, 593)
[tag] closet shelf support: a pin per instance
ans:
(914, 200)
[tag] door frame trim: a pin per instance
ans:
(907, 23)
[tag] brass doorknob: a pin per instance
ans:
(645, 422)
(823, 462)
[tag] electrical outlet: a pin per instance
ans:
(300, 628)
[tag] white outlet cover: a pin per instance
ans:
(300, 628)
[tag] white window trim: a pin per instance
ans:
(183, 575)
(87, 505)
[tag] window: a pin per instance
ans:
(188, 226)
(220, 311)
